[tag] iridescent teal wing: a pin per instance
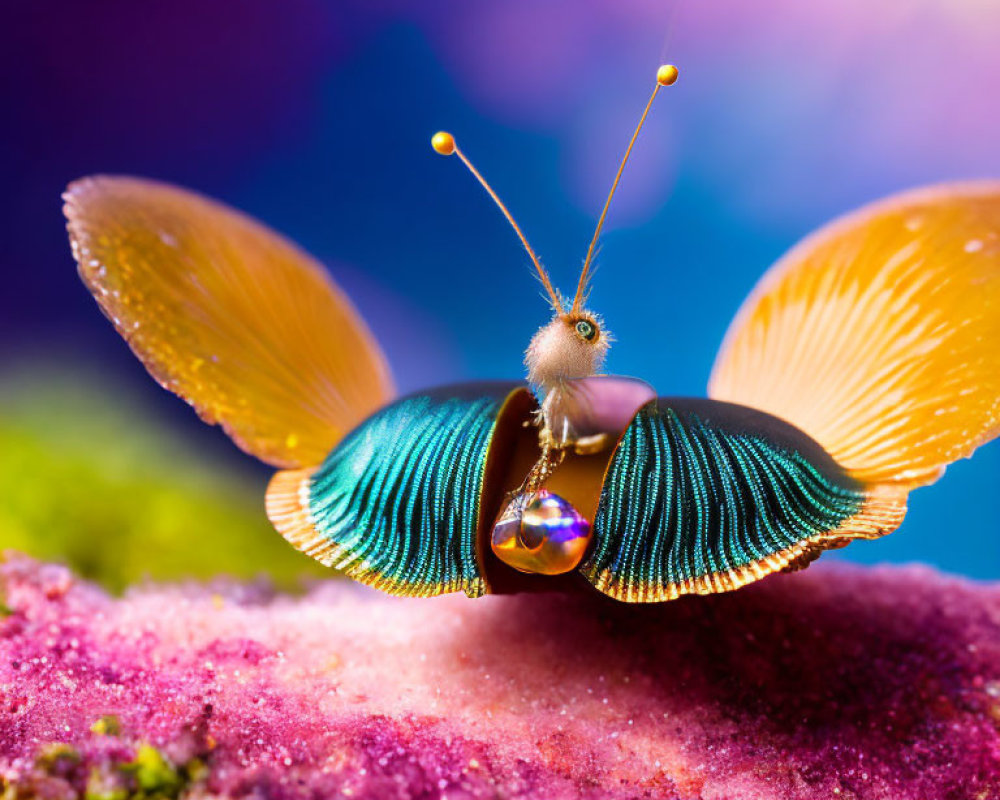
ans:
(396, 505)
(703, 497)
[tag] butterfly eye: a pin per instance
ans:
(586, 329)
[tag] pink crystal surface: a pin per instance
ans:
(839, 682)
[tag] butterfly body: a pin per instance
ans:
(691, 494)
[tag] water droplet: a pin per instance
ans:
(540, 532)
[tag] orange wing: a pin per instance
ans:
(237, 320)
(880, 335)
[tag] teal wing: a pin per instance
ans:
(690, 505)
(396, 505)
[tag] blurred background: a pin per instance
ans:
(315, 116)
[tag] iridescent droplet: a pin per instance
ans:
(540, 532)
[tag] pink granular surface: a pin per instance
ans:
(839, 682)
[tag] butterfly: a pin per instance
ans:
(864, 362)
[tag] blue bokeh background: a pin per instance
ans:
(316, 116)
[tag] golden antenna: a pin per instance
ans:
(665, 76)
(444, 143)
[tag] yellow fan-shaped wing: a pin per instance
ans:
(879, 336)
(237, 320)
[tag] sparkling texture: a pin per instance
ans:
(400, 496)
(838, 682)
(684, 500)
(541, 532)
(229, 315)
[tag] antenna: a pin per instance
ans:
(665, 76)
(444, 143)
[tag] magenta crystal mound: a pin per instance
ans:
(839, 682)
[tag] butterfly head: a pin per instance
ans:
(574, 343)
(570, 346)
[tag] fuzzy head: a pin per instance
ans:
(573, 345)
(570, 346)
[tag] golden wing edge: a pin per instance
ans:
(847, 439)
(163, 370)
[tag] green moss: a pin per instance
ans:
(90, 479)
(154, 775)
(57, 757)
(104, 786)
(108, 725)
(149, 775)
(105, 794)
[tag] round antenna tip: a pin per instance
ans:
(666, 75)
(443, 143)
